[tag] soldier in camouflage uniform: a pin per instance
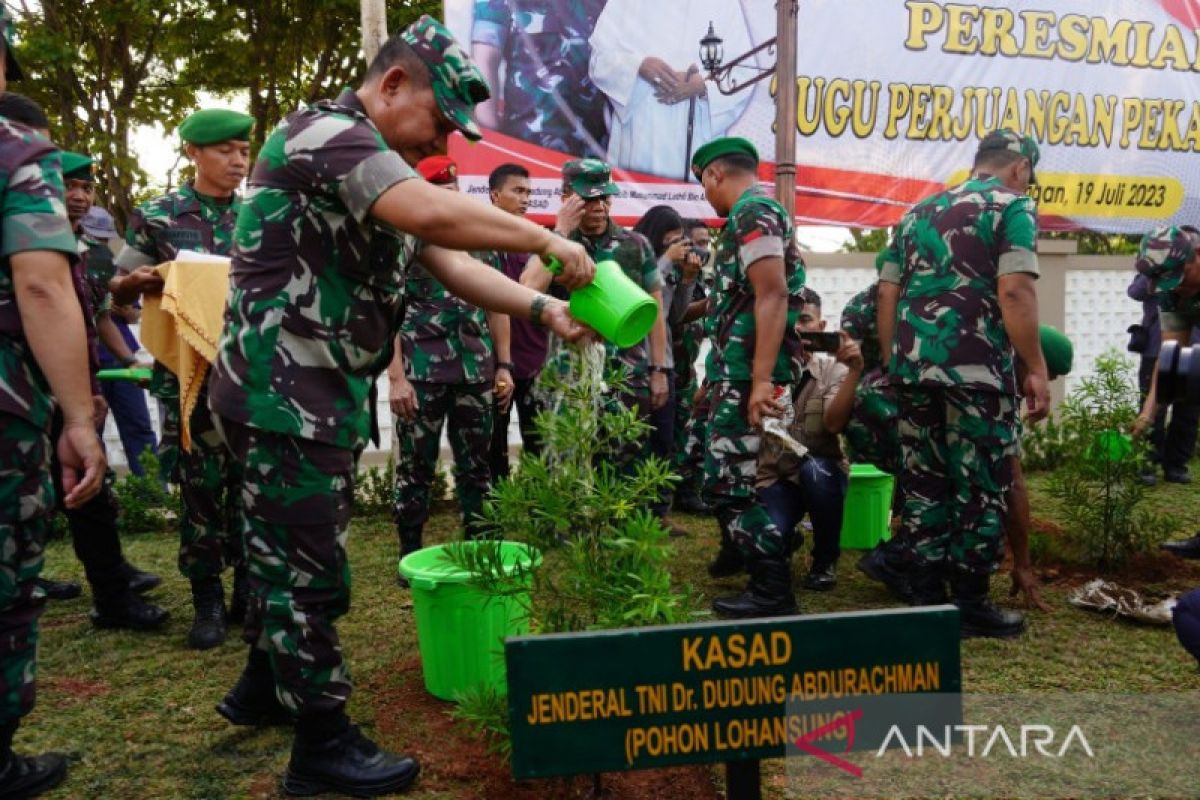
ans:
(686, 338)
(547, 97)
(588, 190)
(445, 370)
(950, 319)
(332, 219)
(756, 302)
(43, 361)
(199, 216)
(871, 434)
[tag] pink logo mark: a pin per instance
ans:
(846, 721)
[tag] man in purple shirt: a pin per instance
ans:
(509, 188)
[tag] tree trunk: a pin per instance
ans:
(374, 27)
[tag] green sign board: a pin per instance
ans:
(725, 691)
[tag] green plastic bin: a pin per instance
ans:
(866, 519)
(460, 629)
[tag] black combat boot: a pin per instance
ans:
(688, 500)
(139, 581)
(345, 762)
(208, 598)
(769, 593)
(729, 559)
(241, 595)
(27, 776)
(978, 615)
(876, 566)
(410, 542)
(128, 610)
(253, 701)
(928, 586)
(59, 590)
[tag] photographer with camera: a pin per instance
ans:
(1169, 258)
(813, 481)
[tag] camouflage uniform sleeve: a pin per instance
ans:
(1017, 242)
(376, 172)
(892, 259)
(651, 276)
(492, 20)
(34, 215)
(760, 232)
(139, 249)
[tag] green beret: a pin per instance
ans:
(76, 166)
(724, 146)
(457, 83)
(589, 178)
(215, 125)
(1057, 350)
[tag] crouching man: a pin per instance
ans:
(791, 485)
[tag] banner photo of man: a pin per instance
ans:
(890, 104)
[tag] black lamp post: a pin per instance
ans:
(712, 56)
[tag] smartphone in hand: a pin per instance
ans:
(821, 341)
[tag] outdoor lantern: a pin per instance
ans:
(711, 51)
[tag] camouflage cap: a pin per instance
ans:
(1008, 139)
(1057, 350)
(457, 83)
(12, 70)
(1163, 254)
(589, 178)
(98, 222)
(215, 125)
(76, 166)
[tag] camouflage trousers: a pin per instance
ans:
(296, 499)
(26, 503)
(168, 440)
(469, 411)
(690, 471)
(210, 484)
(690, 459)
(872, 433)
(730, 468)
(955, 446)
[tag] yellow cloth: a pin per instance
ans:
(181, 327)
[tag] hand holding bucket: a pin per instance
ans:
(612, 305)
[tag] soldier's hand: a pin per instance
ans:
(83, 463)
(659, 391)
(570, 214)
(145, 280)
(1140, 425)
(558, 319)
(761, 403)
(850, 353)
(504, 389)
(1025, 583)
(1037, 396)
(402, 398)
(577, 267)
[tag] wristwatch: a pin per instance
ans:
(508, 365)
(661, 369)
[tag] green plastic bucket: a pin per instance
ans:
(461, 630)
(612, 305)
(866, 517)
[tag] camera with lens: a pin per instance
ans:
(1178, 374)
(699, 252)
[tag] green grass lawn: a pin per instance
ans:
(135, 711)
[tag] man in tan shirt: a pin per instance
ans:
(791, 485)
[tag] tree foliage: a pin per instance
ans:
(102, 68)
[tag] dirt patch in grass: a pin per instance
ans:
(71, 690)
(455, 761)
